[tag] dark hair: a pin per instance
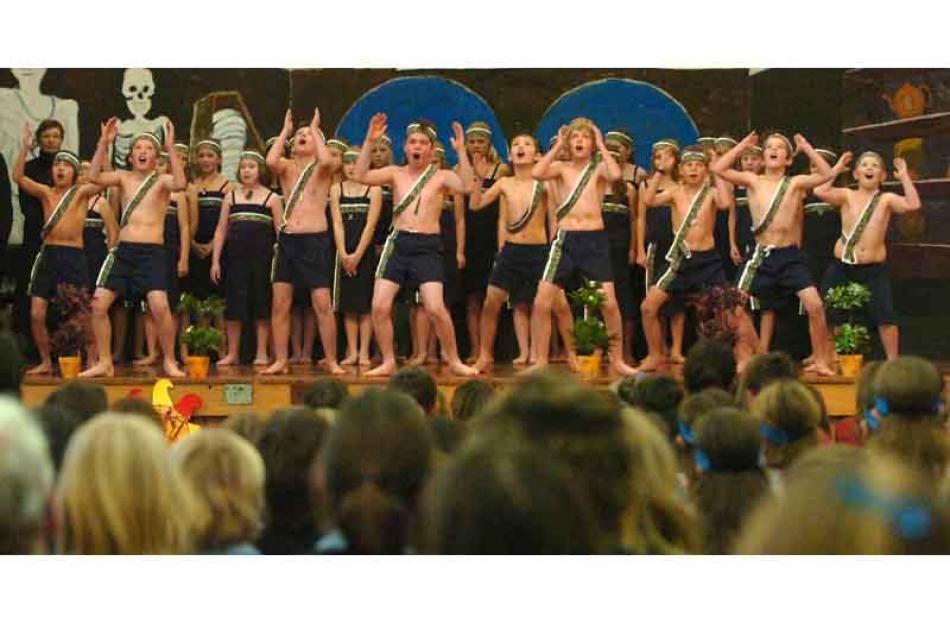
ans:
(58, 425)
(709, 364)
(84, 399)
(136, 407)
(471, 398)
(911, 386)
(326, 392)
(507, 500)
(765, 369)
(657, 394)
(248, 425)
(376, 459)
(418, 384)
(11, 366)
(46, 124)
(726, 492)
(578, 425)
(447, 434)
(697, 405)
(288, 443)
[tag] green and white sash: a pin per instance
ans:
(575, 194)
(518, 225)
(61, 208)
(777, 198)
(137, 198)
(679, 249)
(297, 192)
(851, 240)
(414, 191)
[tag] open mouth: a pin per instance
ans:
(416, 156)
(141, 159)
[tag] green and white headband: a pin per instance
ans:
(478, 130)
(214, 145)
(706, 141)
(666, 144)
(351, 155)
(150, 137)
(414, 128)
(252, 155)
(784, 138)
(726, 140)
(694, 156)
(620, 136)
(67, 156)
(339, 145)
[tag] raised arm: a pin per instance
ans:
(652, 197)
(825, 171)
(612, 170)
(724, 166)
(372, 219)
(479, 200)
(546, 168)
(97, 175)
(836, 197)
(723, 194)
(39, 190)
(275, 155)
(323, 152)
(910, 201)
(362, 174)
(177, 181)
(463, 177)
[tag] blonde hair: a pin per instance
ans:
(657, 519)
(844, 500)
(225, 473)
(791, 410)
(118, 492)
(581, 124)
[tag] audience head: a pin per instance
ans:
(844, 500)
(375, 462)
(118, 494)
(248, 425)
(58, 426)
(470, 399)
(11, 366)
(709, 364)
(789, 415)
(225, 474)
(763, 370)
(696, 405)
(326, 392)
(507, 499)
(864, 395)
(418, 384)
(26, 478)
(83, 399)
(655, 394)
(447, 434)
(136, 406)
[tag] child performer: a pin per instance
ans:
(210, 187)
(136, 266)
(778, 264)
(621, 227)
(519, 266)
(245, 234)
(413, 249)
(100, 230)
(580, 247)
(355, 208)
(694, 264)
(61, 259)
(621, 140)
(861, 251)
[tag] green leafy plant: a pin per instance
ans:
(202, 340)
(589, 331)
(203, 309)
(851, 336)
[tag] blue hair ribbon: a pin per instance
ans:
(909, 519)
(701, 459)
(774, 435)
(686, 432)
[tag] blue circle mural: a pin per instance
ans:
(440, 100)
(647, 112)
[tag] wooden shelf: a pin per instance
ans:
(919, 260)
(916, 127)
(890, 72)
(926, 188)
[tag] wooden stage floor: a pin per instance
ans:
(240, 389)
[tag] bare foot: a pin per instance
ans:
(227, 361)
(677, 359)
(534, 368)
(172, 369)
(147, 361)
(260, 361)
(363, 361)
(622, 368)
(279, 367)
(350, 359)
(651, 364)
(484, 364)
(520, 360)
(383, 370)
(572, 362)
(561, 357)
(417, 360)
(809, 361)
(333, 368)
(43, 367)
(821, 369)
(460, 368)
(100, 369)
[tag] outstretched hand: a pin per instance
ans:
(377, 127)
(561, 136)
(458, 136)
(900, 169)
(169, 135)
(26, 138)
(844, 161)
(288, 122)
(109, 129)
(315, 121)
(598, 138)
(750, 141)
(800, 144)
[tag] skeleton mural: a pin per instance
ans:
(138, 88)
(223, 115)
(28, 104)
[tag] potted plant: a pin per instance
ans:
(201, 341)
(589, 333)
(715, 313)
(73, 305)
(203, 313)
(852, 339)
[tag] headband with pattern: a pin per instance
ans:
(414, 128)
(150, 137)
(214, 145)
(620, 137)
(67, 156)
(694, 156)
(664, 144)
(252, 155)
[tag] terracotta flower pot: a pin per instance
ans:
(69, 366)
(198, 366)
(850, 364)
(588, 367)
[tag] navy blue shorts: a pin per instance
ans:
(576, 255)
(693, 275)
(771, 273)
(874, 276)
(411, 258)
(518, 269)
(303, 260)
(134, 269)
(55, 265)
